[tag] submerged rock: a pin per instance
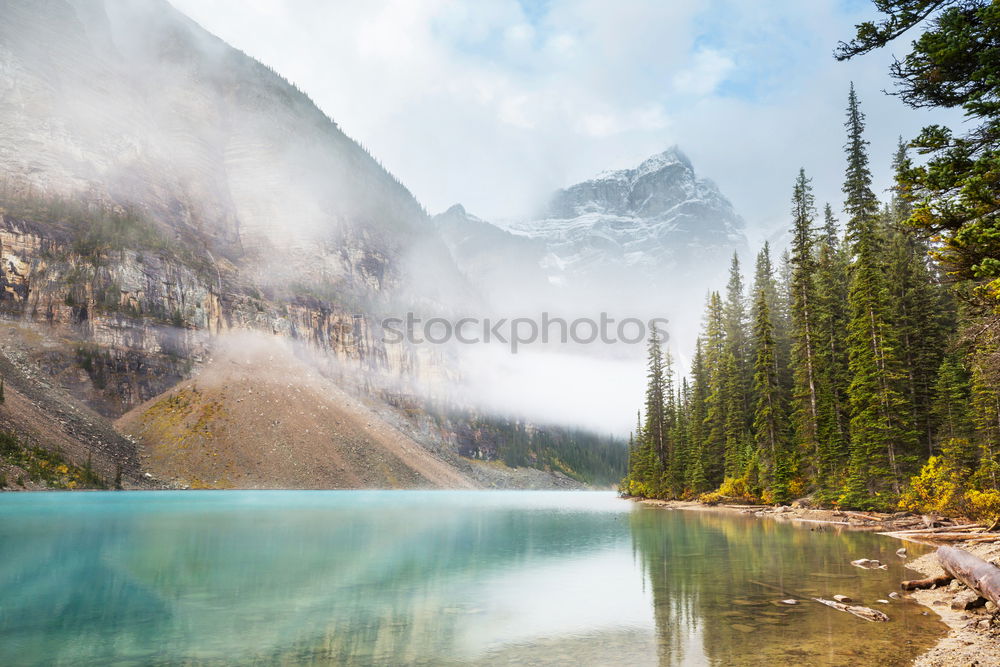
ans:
(869, 564)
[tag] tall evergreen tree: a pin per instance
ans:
(804, 325)
(695, 475)
(735, 433)
(763, 281)
(881, 432)
(951, 412)
(769, 423)
(717, 386)
(655, 427)
(832, 267)
(860, 203)
(735, 317)
(920, 311)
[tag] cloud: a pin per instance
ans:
(496, 103)
(708, 69)
(494, 106)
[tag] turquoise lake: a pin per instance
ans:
(433, 578)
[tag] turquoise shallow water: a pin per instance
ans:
(430, 577)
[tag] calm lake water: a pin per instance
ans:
(435, 578)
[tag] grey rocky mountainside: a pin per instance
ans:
(159, 188)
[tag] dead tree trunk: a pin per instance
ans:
(974, 572)
(930, 582)
(861, 612)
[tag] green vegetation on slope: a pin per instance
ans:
(42, 467)
(581, 455)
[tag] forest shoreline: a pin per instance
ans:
(964, 643)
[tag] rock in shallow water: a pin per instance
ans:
(869, 564)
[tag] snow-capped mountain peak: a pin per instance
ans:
(658, 214)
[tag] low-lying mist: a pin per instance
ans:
(130, 103)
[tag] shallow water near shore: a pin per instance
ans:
(434, 577)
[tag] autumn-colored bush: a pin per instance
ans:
(732, 489)
(983, 505)
(936, 488)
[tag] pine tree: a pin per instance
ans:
(860, 202)
(734, 428)
(738, 345)
(804, 325)
(717, 386)
(655, 427)
(696, 479)
(951, 399)
(735, 318)
(763, 282)
(832, 267)
(682, 443)
(920, 310)
(950, 408)
(769, 413)
(881, 434)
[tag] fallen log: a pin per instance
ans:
(943, 529)
(952, 537)
(834, 523)
(864, 517)
(974, 572)
(929, 582)
(861, 612)
(866, 613)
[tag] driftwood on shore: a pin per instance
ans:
(929, 582)
(942, 529)
(866, 613)
(974, 572)
(957, 537)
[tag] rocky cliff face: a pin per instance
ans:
(658, 216)
(626, 240)
(138, 321)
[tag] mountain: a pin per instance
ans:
(629, 235)
(161, 191)
(490, 256)
(660, 216)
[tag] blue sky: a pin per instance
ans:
(494, 103)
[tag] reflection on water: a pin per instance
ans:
(410, 577)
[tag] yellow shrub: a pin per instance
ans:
(797, 488)
(734, 489)
(934, 489)
(983, 505)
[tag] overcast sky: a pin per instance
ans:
(494, 103)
